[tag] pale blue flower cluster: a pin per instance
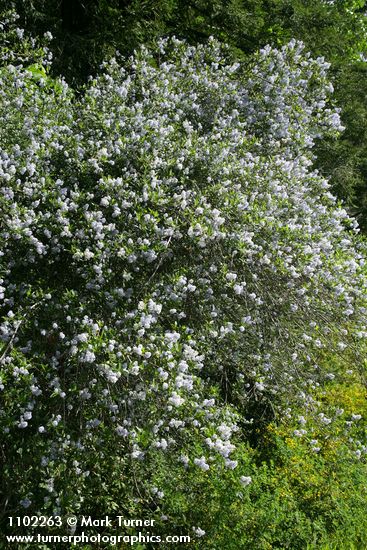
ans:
(167, 251)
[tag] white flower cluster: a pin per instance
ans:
(166, 249)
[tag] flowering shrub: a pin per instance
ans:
(168, 259)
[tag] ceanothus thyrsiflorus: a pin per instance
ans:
(168, 254)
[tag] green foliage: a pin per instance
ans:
(299, 498)
(87, 32)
